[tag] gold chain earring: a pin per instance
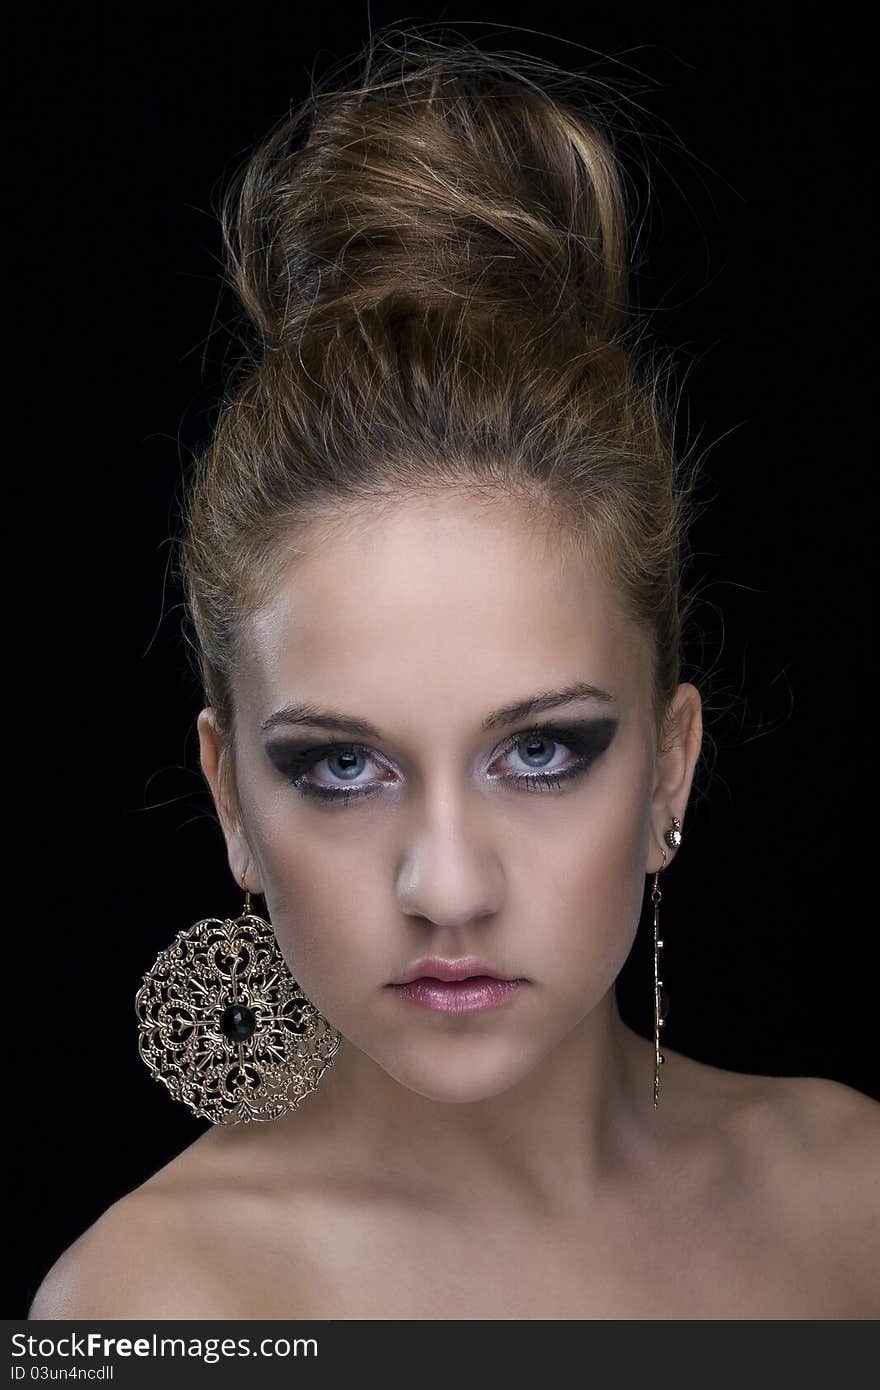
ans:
(672, 836)
(224, 1025)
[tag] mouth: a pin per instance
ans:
(466, 995)
(434, 969)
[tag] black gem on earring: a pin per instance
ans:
(238, 1023)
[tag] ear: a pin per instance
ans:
(675, 771)
(213, 753)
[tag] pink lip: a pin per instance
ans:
(458, 996)
(436, 968)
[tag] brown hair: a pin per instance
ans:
(435, 264)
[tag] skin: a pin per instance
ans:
(421, 621)
(508, 1164)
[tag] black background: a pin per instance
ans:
(125, 124)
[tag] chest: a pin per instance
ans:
(710, 1262)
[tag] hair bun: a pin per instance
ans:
(445, 182)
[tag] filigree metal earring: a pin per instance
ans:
(672, 836)
(224, 1025)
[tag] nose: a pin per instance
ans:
(449, 871)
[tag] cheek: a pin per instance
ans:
(588, 889)
(320, 918)
(613, 881)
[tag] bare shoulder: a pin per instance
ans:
(821, 1165)
(832, 1112)
(833, 1128)
(142, 1258)
(138, 1260)
(175, 1246)
(831, 1132)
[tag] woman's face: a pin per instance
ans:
(418, 838)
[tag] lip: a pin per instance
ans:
(465, 967)
(458, 996)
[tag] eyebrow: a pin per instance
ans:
(294, 714)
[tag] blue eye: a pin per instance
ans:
(584, 740)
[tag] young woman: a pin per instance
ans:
(432, 561)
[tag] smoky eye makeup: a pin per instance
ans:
(582, 741)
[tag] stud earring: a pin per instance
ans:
(224, 1025)
(672, 836)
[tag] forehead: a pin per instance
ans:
(444, 604)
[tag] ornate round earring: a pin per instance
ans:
(672, 836)
(224, 1025)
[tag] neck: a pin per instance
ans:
(570, 1129)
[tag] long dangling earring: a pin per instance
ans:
(661, 999)
(224, 1025)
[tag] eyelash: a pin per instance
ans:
(582, 746)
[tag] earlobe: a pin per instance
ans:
(672, 835)
(669, 837)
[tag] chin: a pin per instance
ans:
(459, 1081)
